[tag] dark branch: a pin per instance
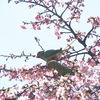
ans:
(88, 35)
(64, 10)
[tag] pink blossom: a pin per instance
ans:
(39, 17)
(69, 18)
(48, 27)
(92, 62)
(1, 66)
(60, 92)
(57, 27)
(46, 3)
(93, 51)
(36, 26)
(95, 21)
(71, 8)
(30, 6)
(60, 4)
(23, 27)
(80, 1)
(97, 57)
(98, 19)
(84, 69)
(74, 0)
(94, 31)
(84, 32)
(88, 48)
(81, 5)
(47, 21)
(97, 43)
(23, 98)
(30, 0)
(57, 34)
(68, 40)
(43, 83)
(16, 2)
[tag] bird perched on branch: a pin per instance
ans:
(52, 54)
(62, 70)
(49, 54)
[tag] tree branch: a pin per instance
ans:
(88, 34)
(12, 56)
(64, 10)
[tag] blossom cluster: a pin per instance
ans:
(45, 83)
(47, 16)
(95, 21)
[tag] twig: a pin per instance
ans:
(37, 40)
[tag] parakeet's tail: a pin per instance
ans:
(68, 47)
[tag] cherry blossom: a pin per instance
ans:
(45, 83)
(95, 21)
(23, 27)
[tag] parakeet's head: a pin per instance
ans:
(40, 54)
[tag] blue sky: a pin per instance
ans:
(14, 40)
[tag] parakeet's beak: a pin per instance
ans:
(37, 56)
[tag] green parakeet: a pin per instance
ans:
(52, 54)
(61, 69)
(49, 54)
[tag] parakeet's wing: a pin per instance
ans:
(52, 52)
(61, 69)
(55, 65)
